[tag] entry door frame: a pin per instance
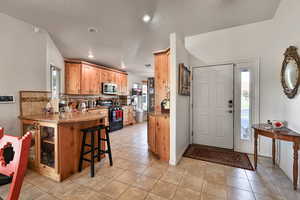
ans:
(255, 64)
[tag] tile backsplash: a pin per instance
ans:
(33, 102)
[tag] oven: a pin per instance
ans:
(115, 118)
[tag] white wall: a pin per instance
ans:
(179, 111)
(23, 62)
(134, 78)
(268, 41)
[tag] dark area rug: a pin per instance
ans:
(218, 155)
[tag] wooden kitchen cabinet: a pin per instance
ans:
(128, 115)
(104, 76)
(159, 123)
(90, 83)
(95, 81)
(159, 135)
(43, 154)
(151, 134)
(123, 84)
(86, 78)
(113, 77)
(72, 78)
(162, 73)
(119, 82)
(56, 141)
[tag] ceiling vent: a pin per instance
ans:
(92, 30)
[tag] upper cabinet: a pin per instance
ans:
(86, 78)
(90, 80)
(162, 72)
(72, 78)
(124, 84)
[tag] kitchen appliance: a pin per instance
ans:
(82, 106)
(115, 114)
(109, 88)
(115, 118)
(91, 103)
(151, 95)
(107, 103)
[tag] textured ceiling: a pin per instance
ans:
(122, 36)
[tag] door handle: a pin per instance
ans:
(230, 111)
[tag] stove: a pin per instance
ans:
(115, 114)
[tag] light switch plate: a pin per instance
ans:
(7, 99)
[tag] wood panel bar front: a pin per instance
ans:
(67, 141)
(70, 140)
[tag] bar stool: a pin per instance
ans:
(93, 131)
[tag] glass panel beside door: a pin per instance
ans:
(245, 105)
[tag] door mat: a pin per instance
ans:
(219, 155)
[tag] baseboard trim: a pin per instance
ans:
(178, 156)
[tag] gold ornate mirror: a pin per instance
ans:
(290, 72)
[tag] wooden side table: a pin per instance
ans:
(284, 134)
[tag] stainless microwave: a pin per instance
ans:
(109, 88)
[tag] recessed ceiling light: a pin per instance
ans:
(146, 18)
(36, 29)
(91, 55)
(123, 65)
(92, 30)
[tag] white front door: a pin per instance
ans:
(213, 106)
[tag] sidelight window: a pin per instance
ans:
(245, 105)
(55, 81)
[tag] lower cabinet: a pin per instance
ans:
(128, 115)
(159, 135)
(55, 148)
(43, 154)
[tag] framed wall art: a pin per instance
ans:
(184, 78)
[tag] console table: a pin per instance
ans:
(280, 134)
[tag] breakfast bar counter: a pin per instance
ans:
(64, 118)
(56, 143)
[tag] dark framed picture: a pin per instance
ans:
(184, 80)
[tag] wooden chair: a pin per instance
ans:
(14, 166)
(4, 179)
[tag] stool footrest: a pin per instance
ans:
(89, 160)
(85, 159)
(103, 151)
(90, 151)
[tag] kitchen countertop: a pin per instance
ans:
(159, 113)
(63, 118)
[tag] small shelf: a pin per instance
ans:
(48, 140)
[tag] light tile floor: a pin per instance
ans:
(136, 175)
